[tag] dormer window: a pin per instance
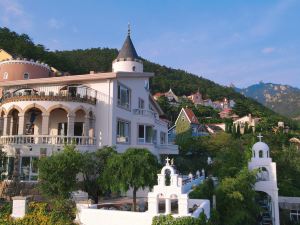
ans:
(26, 76)
(5, 76)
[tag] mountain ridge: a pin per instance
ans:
(281, 98)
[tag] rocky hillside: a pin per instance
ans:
(283, 99)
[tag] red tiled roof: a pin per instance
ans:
(158, 94)
(227, 110)
(191, 116)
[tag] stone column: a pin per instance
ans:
(183, 209)
(11, 123)
(5, 123)
(86, 126)
(153, 202)
(21, 124)
(276, 208)
(71, 121)
(168, 206)
(16, 173)
(45, 124)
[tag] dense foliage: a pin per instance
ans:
(93, 164)
(59, 213)
(57, 173)
(136, 168)
(170, 220)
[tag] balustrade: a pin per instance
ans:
(47, 139)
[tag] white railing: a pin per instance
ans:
(168, 149)
(144, 112)
(47, 139)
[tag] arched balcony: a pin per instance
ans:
(78, 93)
(57, 125)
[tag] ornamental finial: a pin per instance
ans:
(260, 137)
(167, 161)
(129, 29)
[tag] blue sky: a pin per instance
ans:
(227, 41)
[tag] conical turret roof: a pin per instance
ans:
(128, 50)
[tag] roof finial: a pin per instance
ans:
(260, 137)
(167, 161)
(129, 29)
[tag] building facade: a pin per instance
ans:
(40, 113)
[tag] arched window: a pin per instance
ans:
(5, 76)
(133, 68)
(167, 177)
(261, 154)
(26, 76)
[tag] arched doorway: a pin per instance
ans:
(266, 208)
(13, 122)
(33, 121)
(174, 204)
(161, 204)
(79, 124)
(59, 122)
(1, 123)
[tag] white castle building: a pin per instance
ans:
(39, 112)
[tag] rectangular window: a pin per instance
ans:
(141, 103)
(163, 138)
(7, 165)
(123, 131)
(155, 137)
(145, 134)
(29, 168)
(124, 94)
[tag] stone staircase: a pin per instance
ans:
(266, 218)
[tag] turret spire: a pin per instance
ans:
(129, 29)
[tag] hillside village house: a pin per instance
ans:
(251, 121)
(186, 122)
(170, 95)
(40, 112)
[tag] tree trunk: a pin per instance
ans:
(134, 199)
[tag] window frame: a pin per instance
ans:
(129, 131)
(141, 103)
(119, 84)
(5, 76)
(163, 134)
(143, 140)
(26, 73)
(31, 174)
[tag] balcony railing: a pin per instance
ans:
(47, 140)
(168, 149)
(62, 96)
(144, 112)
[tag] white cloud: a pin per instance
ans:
(55, 24)
(268, 50)
(13, 15)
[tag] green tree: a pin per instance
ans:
(57, 173)
(93, 164)
(136, 168)
(236, 199)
